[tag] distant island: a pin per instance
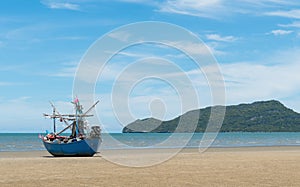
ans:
(261, 116)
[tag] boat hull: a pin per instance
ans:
(86, 147)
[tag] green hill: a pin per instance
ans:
(262, 116)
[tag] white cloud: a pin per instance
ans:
(13, 83)
(90, 68)
(219, 38)
(281, 32)
(132, 54)
(192, 7)
(217, 9)
(247, 82)
(293, 24)
(25, 114)
(193, 48)
(268, 3)
(6, 83)
(65, 70)
(147, 2)
(29, 33)
(152, 72)
(61, 5)
(70, 38)
(120, 35)
(12, 67)
(244, 82)
(288, 14)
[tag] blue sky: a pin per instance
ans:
(257, 44)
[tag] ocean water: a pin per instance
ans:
(31, 142)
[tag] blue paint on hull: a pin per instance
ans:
(86, 147)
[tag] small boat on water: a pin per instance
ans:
(83, 140)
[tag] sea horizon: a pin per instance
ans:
(24, 142)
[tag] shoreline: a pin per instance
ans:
(41, 153)
(149, 148)
(247, 166)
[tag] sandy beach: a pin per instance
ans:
(252, 166)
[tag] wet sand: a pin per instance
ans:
(251, 166)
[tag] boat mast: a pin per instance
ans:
(54, 125)
(76, 107)
(78, 121)
(77, 118)
(55, 116)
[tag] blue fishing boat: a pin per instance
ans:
(83, 140)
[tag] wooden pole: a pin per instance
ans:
(54, 125)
